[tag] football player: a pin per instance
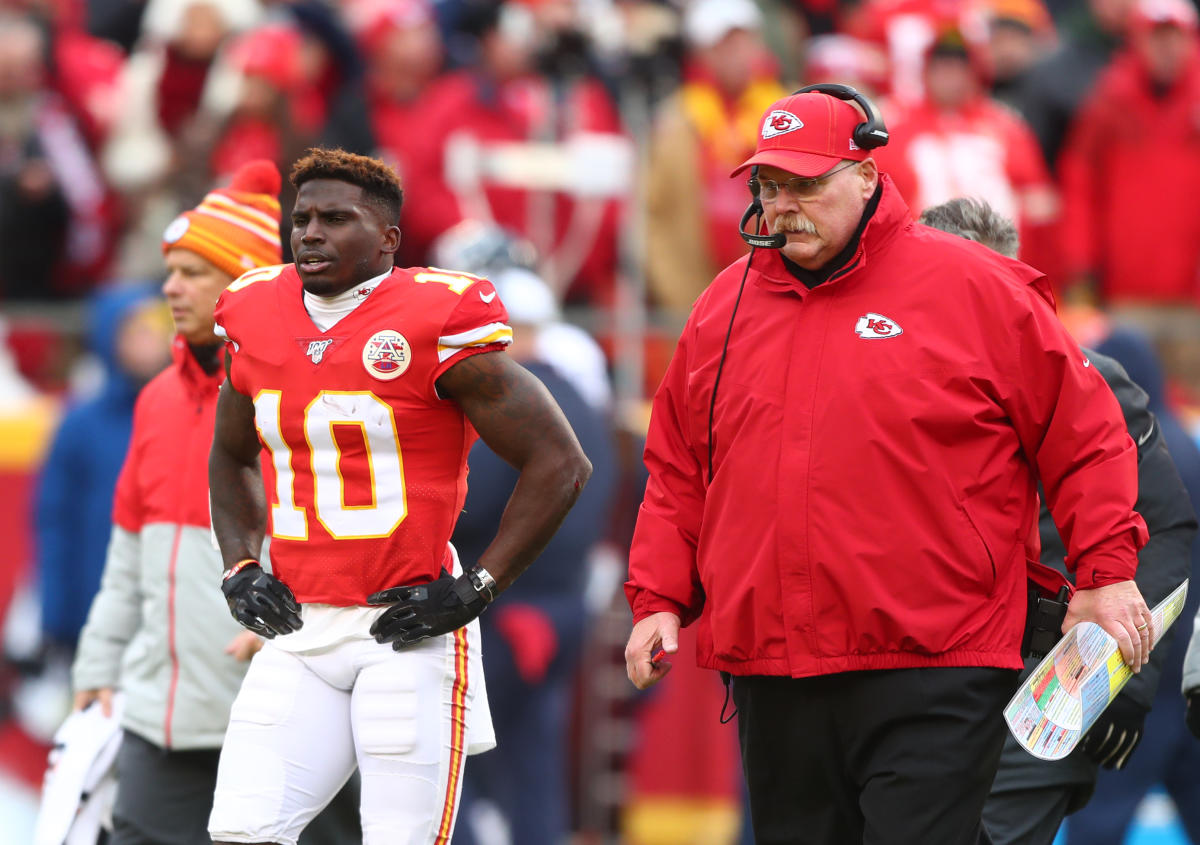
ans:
(360, 387)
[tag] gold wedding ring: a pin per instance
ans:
(1142, 627)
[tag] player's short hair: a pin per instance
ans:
(974, 220)
(379, 182)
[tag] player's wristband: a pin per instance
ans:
(238, 567)
(483, 582)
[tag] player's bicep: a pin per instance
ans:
(511, 409)
(234, 433)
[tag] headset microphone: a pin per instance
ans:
(776, 241)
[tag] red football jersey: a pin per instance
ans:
(365, 465)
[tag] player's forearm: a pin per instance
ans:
(235, 477)
(548, 487)
(519, 420)
(237, 505)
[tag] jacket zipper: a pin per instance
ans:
(849, 267)
(171, 646)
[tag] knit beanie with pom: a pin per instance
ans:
(235, 228)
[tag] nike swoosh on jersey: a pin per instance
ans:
(1146, 436)
(487, 297)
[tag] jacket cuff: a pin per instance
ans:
(646, 603)
(1104, 568)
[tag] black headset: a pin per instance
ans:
(868, 135)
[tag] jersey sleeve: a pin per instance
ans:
(478, 323)
(225, 328)
(221, 317)
(229, 324)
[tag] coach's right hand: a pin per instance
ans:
(656, 631)
(260, 601)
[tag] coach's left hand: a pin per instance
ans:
(1121, 611)
(421, 611)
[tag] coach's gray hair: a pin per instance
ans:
(974, 220)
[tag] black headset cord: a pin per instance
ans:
(712, 405)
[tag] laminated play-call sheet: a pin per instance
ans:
(1070, 688)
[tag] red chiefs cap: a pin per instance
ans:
(806, 134)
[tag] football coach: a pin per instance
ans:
(843, 464)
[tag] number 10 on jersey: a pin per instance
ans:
(386, 503)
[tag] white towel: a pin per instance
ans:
(80, 782)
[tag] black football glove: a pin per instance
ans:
(1116, 733)
(1193, 712)
(425, 610)
(261, 602)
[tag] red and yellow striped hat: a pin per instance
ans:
(236, 228)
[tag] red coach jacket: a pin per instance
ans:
(876, 447)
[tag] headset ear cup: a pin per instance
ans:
(869, 134)
(863, 138)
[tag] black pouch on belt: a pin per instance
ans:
(1043, 622)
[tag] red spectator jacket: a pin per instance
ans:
(876, 447)
(1130, 176)
(467, 120)
(983, 149)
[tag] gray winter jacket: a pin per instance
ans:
(159, 626)
(1191, 663)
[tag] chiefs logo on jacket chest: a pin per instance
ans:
(873, 326)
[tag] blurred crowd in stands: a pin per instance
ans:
(602, 131)
(580, 149)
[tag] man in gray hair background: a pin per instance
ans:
(1030, 797)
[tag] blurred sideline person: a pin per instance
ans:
(366, 387)
(1142, 108)
(862, 582)
(1030, 797)
(1191, 680)
(1051, 91)
(533, 637)
(956, 140)
(525, 134)
(130, 337)
(487, 249)
(157, 630)
(1165, 757)
(700, 132)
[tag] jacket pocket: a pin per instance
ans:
(979, 541)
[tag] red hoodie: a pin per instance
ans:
(877, 442)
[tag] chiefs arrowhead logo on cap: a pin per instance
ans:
(779, 122)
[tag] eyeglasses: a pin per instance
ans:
(801, 187)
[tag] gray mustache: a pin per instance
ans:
(793, 223)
